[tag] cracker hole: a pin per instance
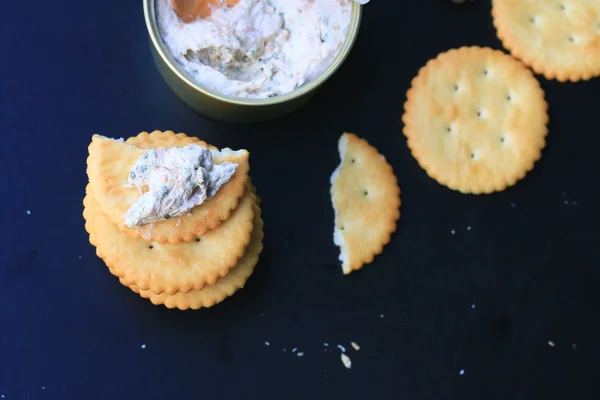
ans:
(342, 228)
(486, 72)
(502, 139)
(197, 239)
(456, 88)
(509, 98)
(353, 161)
(562, 7)
(473, 156)
(366, 193)
(533, 20)
(571, 39)
(150, 247)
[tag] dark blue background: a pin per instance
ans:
(69, 330)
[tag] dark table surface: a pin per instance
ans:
(485, 300)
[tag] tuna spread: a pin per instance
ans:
(178, 179)
(257, 48)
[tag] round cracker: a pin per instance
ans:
(171, 268)
(109, 163)
(366, 199)
(226, 287)
(559, 39)
(476, 120)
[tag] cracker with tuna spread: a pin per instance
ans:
(109, 170)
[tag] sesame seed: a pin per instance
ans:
(567, 202)
(381, 316)
(300, 354)
(326, 344)
(453, 231)
(346, 361)
(574, 346)
(284, 350)
(28, 212)
(472, 305)
(143, 346)
(469, 227)
(267, 344)
(342, 348)
(294, 350)
(551, 343)
(461, 372)
(356, 347)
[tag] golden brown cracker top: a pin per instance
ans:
(227, 286)
(109, 163)
(559, 39)
(475, 119)
(366, 200)
(171, 268)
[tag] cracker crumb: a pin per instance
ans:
(453, 231)
(551, 343)
(28, 212)
(472, 305)
(300, 354)
(574, 203)
(267, 344)
(284, 350)
(513, 205)
(262, 315)
(461, 372)
(567, 202)
(43, 387)
(346, 360)
(574, 346)
(326, 344)
(143, 346)
(356, 347)
(342, 348)
(294, 350)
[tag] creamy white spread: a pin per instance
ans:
(178, 179)
(257, 48)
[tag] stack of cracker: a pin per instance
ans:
(189, 261)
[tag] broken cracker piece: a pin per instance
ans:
(366, 200)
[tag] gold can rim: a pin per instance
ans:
(173, 65)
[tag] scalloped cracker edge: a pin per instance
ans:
(226, 287)
(366, 200)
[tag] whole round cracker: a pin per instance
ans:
(109, 163)
(366, 199)
(167, 268)
(476, 120)
(226, 287)
(559, 39)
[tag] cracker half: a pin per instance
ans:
(171, 268)
(109, 163)
(211, 295)
(366, 200)
(559, 39)
(476, 120)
